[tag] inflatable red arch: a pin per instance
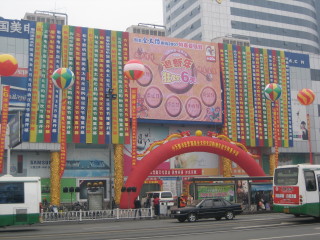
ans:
(184, 145)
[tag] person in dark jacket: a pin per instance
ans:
(137, 206)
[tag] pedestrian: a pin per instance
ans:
(156, 204)
(137, 206)
(183, 201)
(190, 200)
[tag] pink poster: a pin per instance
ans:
(182, 80)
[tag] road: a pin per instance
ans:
(250, 227)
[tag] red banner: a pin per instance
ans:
(63, 133)
(4, 121)
(175, 172)
(134, 126)
(286, 195)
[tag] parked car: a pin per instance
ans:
(208, 208)
(164, 196)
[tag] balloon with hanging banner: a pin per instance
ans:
(8, 65)
(63, 78)
(272, 91)
(306, 96)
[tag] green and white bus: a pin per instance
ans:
(20, 200)
(296, 190)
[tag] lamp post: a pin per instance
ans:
(111, 96)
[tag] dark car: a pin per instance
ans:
(208, 208)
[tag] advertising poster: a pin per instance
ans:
(86, 164)
(145, 137)
(299, 119)
(182, 79)
(216, 191)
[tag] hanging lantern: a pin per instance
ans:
(63, 78)
(306, 96)
(272, 91)
(8, 65)
(134, 69)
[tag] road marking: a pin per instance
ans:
(259, 226)
(289, 236)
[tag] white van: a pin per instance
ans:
(164, 196)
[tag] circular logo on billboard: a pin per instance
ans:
(173, 106)
(208, 96)
(193, 107)
(147, 77)
(177, 71)
(153, 97)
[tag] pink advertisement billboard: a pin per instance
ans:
(182, 79)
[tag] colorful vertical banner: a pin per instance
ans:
(43, 85)
(101, 87)
(89, 75)
(49, 100)
(248, 115)
(83, 85)
(134, 126)
(120, 96)
(27, 115)
(63, 137)
(95, 90)
(36, 78)
(69, 38)
(115, 107)
(108, 88)
(56, 91)
(77, 87)
(126, 89)
(4, 122)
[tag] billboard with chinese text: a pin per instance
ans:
(182, 79)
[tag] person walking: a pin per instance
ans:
(156, 204)
(137, 206)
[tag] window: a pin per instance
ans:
(286, 176)
(310, 181)
(11, 192)
(218, 203)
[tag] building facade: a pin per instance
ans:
(290, 25)
(187, 87)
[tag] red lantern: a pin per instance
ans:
(8, 65)
(134, 69)
(306, 96)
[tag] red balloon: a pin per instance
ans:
(8, 65)
(134, 69)
(306, 96)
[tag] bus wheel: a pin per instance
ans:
(296, 215)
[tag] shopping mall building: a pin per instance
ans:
(190, 89)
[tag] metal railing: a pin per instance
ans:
(97, 215)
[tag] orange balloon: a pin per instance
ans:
(8, 65)
(306, 96)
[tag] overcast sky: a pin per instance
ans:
(104, 14)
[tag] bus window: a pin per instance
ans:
(318, 176)
(310, 181)
(286, 176)
(11, 192)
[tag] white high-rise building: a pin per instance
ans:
(285, 24)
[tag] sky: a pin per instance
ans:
(115, 15)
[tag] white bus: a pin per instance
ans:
(296, 190)
(20, 200)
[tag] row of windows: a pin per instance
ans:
(182, 9)
(45, 20)
(274, 30)
(182, 21)
(270, 43)
(189, 29)
(273, 18)
(279, 6)
(149, 32)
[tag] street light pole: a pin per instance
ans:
(110, 95)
